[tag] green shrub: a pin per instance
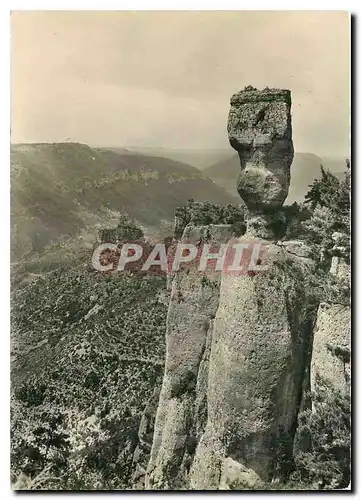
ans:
(328, 429)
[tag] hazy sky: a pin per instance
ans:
(165, 78)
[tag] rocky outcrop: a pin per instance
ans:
(182, 410)
(260, 348)
(235, 476)
(227, 420)
(331, 354)
(259, 129)
(262, 330)
(145, 436)
(331, 347)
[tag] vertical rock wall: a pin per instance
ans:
(260, 348)
(262, 330)
(182, 410)
(332, 338)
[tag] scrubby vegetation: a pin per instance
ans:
(324, 212)
(88, 351)
(326, 461)
(204, 213)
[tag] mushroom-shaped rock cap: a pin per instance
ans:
(260, 130)
(251, 94)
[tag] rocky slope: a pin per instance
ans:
(87, 353)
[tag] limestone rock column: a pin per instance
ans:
(182, 409)
(261, 335)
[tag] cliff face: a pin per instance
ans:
(232, 387)
(258, 356)
(182, 409)
(332, 338)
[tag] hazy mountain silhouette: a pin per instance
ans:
(305, 167)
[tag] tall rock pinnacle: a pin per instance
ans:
(261, 333)
(238, 348)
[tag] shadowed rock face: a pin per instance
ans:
(331, 347)
(332, 335)
(259, 354)
(260, 130)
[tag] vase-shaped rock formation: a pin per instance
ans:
(262, 331)
(259, 129)
(259, 345)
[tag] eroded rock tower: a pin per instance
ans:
(238, 348)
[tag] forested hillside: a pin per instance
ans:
(60, 192)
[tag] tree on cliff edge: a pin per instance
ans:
(329, 201)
